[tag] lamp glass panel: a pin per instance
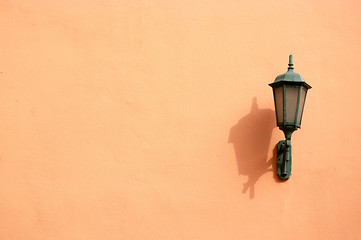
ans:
(302, 103)
(291, 103)
(278, 95)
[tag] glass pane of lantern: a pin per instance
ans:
(302, 102)
(278, 95)
(291, 103)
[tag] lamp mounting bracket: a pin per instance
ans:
(284, 159)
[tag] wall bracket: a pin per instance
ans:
(284, 159)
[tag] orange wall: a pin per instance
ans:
(153, 120)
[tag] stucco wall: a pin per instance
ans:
(153, 120)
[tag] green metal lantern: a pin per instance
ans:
(289, 91)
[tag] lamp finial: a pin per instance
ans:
(290, 63)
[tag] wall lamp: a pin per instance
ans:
(289, 92)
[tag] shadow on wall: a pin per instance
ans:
(251, 138)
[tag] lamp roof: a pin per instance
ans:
(290, 76)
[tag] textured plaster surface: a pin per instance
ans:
(143, 120)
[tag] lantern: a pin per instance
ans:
(289, 92)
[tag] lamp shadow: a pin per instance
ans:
(251, 138)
